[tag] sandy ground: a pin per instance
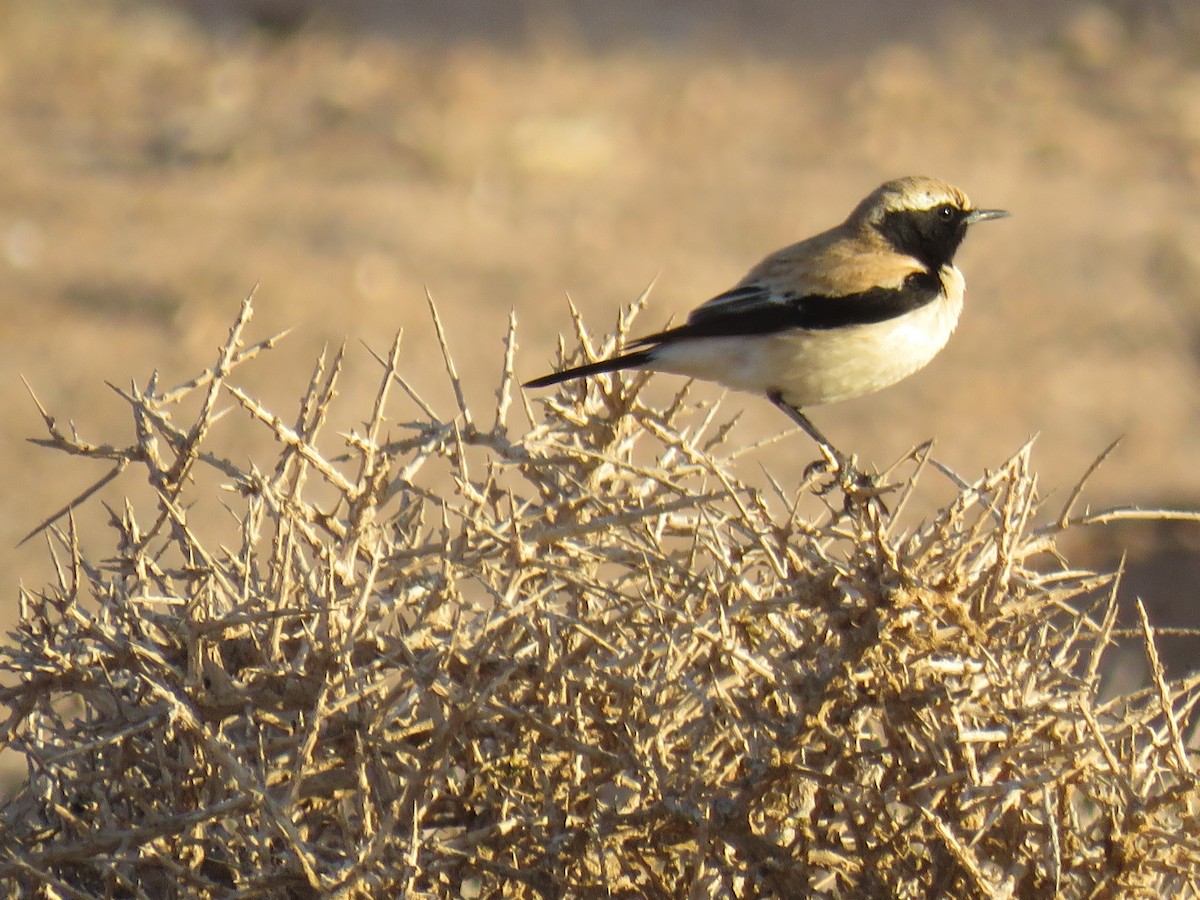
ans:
(157, 165)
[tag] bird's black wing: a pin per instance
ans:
(758, 310)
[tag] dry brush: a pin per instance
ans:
(444, 656)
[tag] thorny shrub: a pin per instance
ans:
(583, 659)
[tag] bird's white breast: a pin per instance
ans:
(811, 367)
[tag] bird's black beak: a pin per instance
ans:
(983, 215)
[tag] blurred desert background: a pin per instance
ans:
(158, 160)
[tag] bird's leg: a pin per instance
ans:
(848, 475)
(836, 458)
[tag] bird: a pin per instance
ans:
(841, 314)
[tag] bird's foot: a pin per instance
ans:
(856, 484)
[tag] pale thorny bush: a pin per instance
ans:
(458, 658)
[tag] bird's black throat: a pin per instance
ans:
(930, 235)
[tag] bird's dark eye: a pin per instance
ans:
(946, 212)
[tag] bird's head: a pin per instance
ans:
(921, 217)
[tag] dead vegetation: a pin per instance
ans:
(453, 657)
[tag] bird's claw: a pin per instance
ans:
(856, 484)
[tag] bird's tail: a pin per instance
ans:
(628, 361)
